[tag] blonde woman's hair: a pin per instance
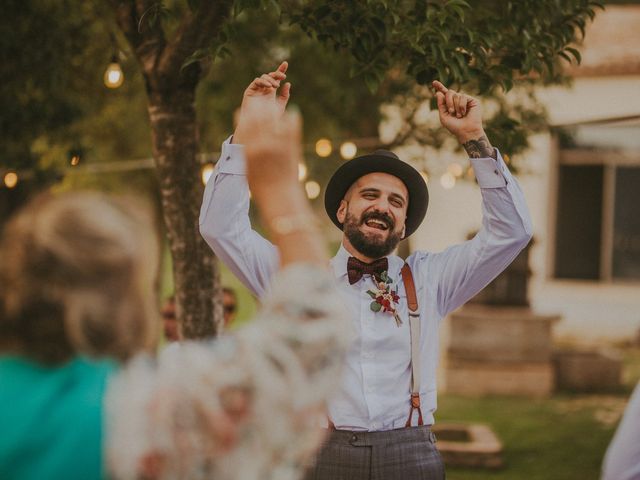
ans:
(76, 275)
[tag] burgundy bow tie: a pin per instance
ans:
(356, 269)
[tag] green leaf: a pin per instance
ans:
(371, 82)
(375, 306)
(566, 57)
(371, 293)
(575, 53)
(459, 11)
(443, 75)
(458, 3)
(195, 57)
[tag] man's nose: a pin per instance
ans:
(382, 205)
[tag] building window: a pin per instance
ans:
(597, 231)
(626, 224)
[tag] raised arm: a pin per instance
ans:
(224, 215)
(463, 270)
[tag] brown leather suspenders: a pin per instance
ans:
(414, 328)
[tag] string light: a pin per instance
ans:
(470, 173)
(113, 76)
(206, 172)
(11, 179)
(324, 147)
(348, 150)
(448, 181)
(313, 189)
(75, 159)
(302, 172)
(455, 169)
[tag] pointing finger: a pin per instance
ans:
(439, 86)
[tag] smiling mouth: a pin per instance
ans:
(376, 224)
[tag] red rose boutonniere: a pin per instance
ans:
(385, 298)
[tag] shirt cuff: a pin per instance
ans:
(490, 173)
(232, 160)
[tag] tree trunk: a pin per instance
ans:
(175, 143)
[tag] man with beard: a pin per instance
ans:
(380, 419)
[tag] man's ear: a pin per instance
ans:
(404, 229)
(341, 214)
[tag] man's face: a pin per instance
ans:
(373, 214)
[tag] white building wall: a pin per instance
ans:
(591, 311)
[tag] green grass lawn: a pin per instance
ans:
(560, 438)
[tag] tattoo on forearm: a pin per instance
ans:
(480, 148)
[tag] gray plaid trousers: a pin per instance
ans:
(402, 454)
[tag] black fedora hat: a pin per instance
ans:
(380, 161)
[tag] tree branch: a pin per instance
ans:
(147, 41)
(195, 31)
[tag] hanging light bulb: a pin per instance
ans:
(113, 76)
(206, 172)
(470, 173)
(448, 181)
(302, 171)
(324, 147)
(348, 150)
(11, 179)
(313, 189)
(455, 169)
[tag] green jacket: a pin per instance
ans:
(51, 419)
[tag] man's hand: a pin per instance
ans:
(462, 115)
(263, 93)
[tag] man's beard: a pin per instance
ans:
(371, 246)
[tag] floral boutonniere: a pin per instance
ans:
(385, 298)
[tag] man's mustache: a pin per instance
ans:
(380, 216)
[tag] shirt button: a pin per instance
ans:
(228, 158)
(496, 172)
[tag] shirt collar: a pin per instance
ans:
(339, 264)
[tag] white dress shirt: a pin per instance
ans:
(375, 390)
(622, 461)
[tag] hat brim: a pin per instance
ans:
(349, 172)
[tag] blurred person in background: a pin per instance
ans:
(77, 398)
(170, 327)
(229, 305)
